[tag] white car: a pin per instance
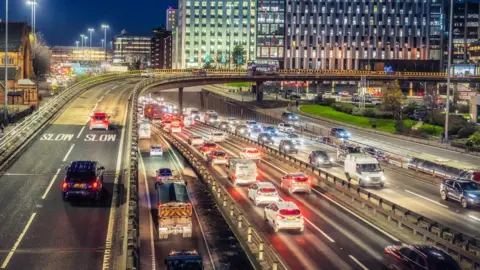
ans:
(195, 140)
(233, 121)
(216, 137)
(210, 112)
(156, 150)
(217, 157)
(147, 75)
(284, 216)
(250, 153)
(296, 182)
(286, 127)
(263, 192)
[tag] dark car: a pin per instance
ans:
(379, 155)
(224, 125)
(288, 146)
(464, 191)
(83, 179)
(164, 173)
(271, 130)
(295, 138)
(418, 257)
(319, 158)
(242, 130)
(254, 126)
(265, 138)
(340, 133)
(289, 117)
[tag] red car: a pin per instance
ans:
(99, 120)
(208, 147)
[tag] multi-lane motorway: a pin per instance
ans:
(39, 229)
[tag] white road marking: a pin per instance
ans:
(149, 204)
(178, 165)
(474, 218)
(80, 133)
(358, 262)
(111, 218)
(68, 153)
(50, 185)
(17, 243)
(425, 198)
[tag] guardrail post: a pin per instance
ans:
(231, 209)
(260, 251)
(239, 222)
(224, 201)
(249, 236)
(275, 265)
(220, 192)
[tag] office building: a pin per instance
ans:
(93, 56)
(271, 30)
(465, 31)
(132, 50)
(209, 30)
(356, 34)
(161, 48)
(171, 18)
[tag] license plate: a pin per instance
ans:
(220, 158)
(79, 185)
(241, 176)
(291, 218)
(267, 194)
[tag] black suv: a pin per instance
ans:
(319, 158)
(418, 257)
(289, 117)
(83, 179)
(265, 138)
(464, 191)
(224, 125)
(288, 147)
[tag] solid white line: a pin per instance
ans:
(358, 262)
(474, 218)
(80, 133)
(50, 185)
(425, 198)
(149, 204)
(68, 153)
(17, 243)
(111, 218)
(178, 165)
(320, 231)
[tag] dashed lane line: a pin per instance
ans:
(50, 185)
(68, 153)
(17, 243)
(149, 204)
(358, 262)
(425, 198)
(80, 133)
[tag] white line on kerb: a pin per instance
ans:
(17, 243)
(149, 204)
(358, 262)
(425, 198)
(50, 185)
(474, 217)
(68, 153)
(111, 218)
(80, 133)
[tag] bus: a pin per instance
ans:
(265, 67)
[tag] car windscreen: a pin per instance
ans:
(210, 145)
(287, 125)
(268, 190)
(166, 172)
(99, 118)
(218, 134)
(80, 176)
(470, 186)
(321, 154)
(197, 137)
(370, 167)
(354, 150)
(219, 154)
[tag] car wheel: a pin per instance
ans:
(444, 196)
(464, 203)
(265, 216)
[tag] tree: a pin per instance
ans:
(392, 99)
(238, 56)
(430, 101)
(42, 56)
(219, 57)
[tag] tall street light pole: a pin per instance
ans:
(76, 42)
(103, 40)
(449, 67)
(91, 30)
(105, 27)
(5, 106)
(85, 42)
(82, 39)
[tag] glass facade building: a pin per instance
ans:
(271, 30)
(72, 54)
(128, 49)
(171, 18)
(209, 30)
(341, 34)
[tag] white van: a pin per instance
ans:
(176, 127)
(364, 169)
(242, 171)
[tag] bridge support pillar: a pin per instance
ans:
(180, 100)
(333, 87)
(259, 91)
(438, 89)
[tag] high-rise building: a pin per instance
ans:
(356, 34)
(161, 48)
(209, 30)
(131, 49)
(465, 30)
(171, 18)
(271, 30)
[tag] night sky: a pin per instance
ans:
(62, 21)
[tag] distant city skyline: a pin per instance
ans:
(62, 22)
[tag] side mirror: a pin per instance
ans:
(102, 168)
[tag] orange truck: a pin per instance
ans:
(174, 209)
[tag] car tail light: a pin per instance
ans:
(94, 185)
(64, 185)
(234, 176)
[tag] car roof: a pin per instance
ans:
(462, 181)
(82, 166)
(287, 141)
(319, 152)
(296, 174)
(250, 148)
(264, 184)
(287, 205)
(433, 252)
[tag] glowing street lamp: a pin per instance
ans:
(76, 42)
(91, 30)
(82, 39)
(33, 4)
(105, 27)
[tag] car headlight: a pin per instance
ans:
(331, 159)
(294, 146)
(471, 195)
(287, 147)
(264, 138)
(383, 178)
(320, 160)
(348, 134)
(242, 130)
(367, 178)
